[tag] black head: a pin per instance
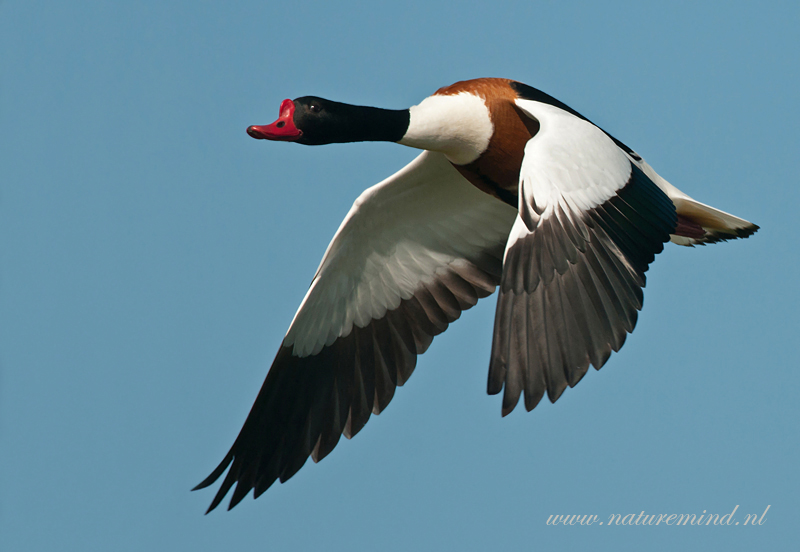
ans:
(315, 121)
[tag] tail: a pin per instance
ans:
(698, 224)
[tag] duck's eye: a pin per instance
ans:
(315, 108)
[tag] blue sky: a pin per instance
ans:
(152, 256)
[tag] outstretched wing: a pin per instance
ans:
(413, 253)
(589, 224)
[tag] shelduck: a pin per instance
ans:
(513, 189)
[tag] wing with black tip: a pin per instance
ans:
(413, 253)
(589, 224)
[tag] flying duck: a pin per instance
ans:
(513, 189)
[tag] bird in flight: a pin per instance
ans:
(513, 189)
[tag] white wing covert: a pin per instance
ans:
(589, 224)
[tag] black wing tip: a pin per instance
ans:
(217, 500)
(242, 490)
(270, 447)
(212, 478)
(214, 475)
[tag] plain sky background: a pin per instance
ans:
(152, 256)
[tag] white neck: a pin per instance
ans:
(458, 126)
